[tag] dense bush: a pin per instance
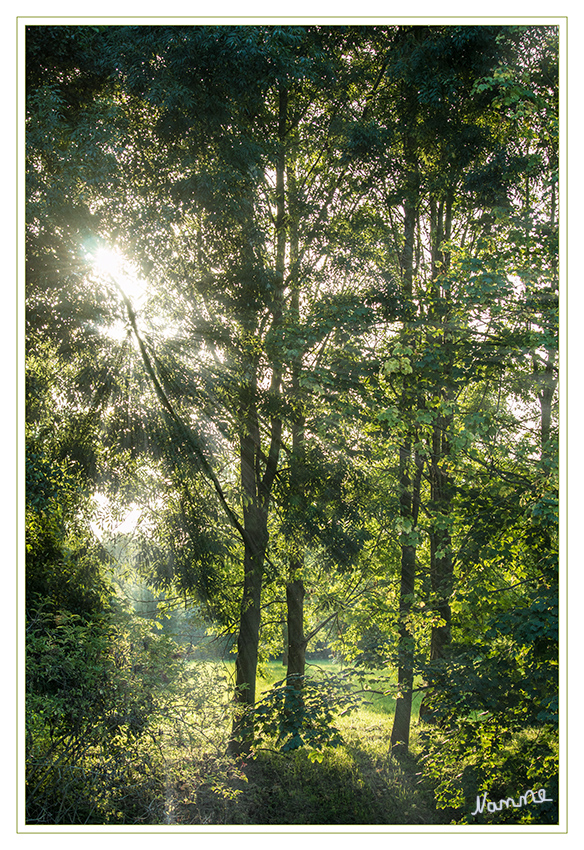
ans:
(300, 712)
(111, 711)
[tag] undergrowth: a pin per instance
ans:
(172, 767)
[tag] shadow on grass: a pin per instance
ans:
(352, 785)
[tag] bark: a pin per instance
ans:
(441, 563)
(409, 503)
(295, 621)
(295, 591)
(441, 491)
(295, 586)
(255, 524)
(549, 381)
(258, 472)
(400, 732)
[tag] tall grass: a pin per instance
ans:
(178, 773)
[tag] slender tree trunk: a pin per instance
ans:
(409, 500)
(295, 621)
(255, 516)
(295, 587)
(400, 732)
(548, 382)
(548, 378)
(258, 472)
(441, 561)
(247, 643)
(296, 649)
(295, 590)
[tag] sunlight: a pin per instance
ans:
(105, 522)
(110, 263)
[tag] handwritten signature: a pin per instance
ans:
(509, 802)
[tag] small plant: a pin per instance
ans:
(299, 712)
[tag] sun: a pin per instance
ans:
(107, 260)
(109, 263)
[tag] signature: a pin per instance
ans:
(509, 802)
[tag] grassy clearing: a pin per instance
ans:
(376, 703)
(356, 783)
(178, 772)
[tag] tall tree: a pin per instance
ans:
(316, 215)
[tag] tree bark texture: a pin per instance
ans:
(441, 491)
(441, 564)
(258, 471)
(295, 621)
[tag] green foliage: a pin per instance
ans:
(110, 708)
(489, 757)
(64, 564)
(345, 350)
(299, 712)
(494, 714)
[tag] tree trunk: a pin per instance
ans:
(295, 591)
(295, 586)
(258, 472)
(295, 620)
(249, 629)
(441, 565)
(400, 733)
(548, 382)
(294, 705)
(409, 503)
(441, 561)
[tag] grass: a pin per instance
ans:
(178, 771)
(377, 703)
(359, 782)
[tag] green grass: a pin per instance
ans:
(180, 773)
(359, 782)
(376, 703)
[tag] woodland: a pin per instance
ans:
(291, 425)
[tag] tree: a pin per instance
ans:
(428, 107)
(244, 244)
(448, 141)
(335, 270)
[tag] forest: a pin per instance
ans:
(292, 312)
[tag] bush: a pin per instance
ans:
(109, 706)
